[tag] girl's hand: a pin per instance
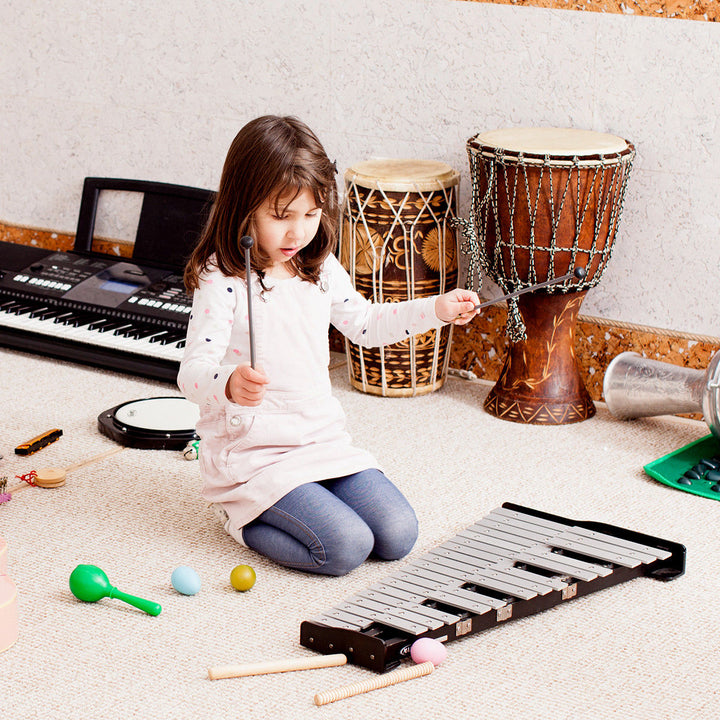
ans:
(246, 386)
(457, 306)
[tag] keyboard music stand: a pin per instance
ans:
(170, 223)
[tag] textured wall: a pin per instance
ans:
(136, 90)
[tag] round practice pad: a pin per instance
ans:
(162, 423)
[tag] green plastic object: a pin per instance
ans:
(671, 469)
(89, 583)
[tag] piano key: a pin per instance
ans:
(20, 309)
(123, 330)
(50, 313)
(172, 337)
(90, 334)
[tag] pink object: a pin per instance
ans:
(428, 650)
(8, 603)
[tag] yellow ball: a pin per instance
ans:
(242, 577)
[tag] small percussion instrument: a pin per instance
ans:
(544, 201)
(161, 423)
(398, 243)
(38, 442)
(514, 562)
(89, 583)
(49, 477)
(635, 386)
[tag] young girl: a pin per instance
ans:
(275, 458)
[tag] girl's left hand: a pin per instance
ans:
(457, 306)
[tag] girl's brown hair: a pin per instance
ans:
(270, 158)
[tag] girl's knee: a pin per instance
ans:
(398, 537)
(348, 551)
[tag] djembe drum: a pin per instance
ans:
(544, 202)
(398, 243)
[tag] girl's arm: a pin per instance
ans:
(375, 324)
(203, 376)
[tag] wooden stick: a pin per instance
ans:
(391, 678)
(95, 458)
(276, 666)
(55, 477)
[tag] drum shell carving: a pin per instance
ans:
(397, 243)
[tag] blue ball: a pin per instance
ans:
(185, 580)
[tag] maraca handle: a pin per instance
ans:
(148, 606)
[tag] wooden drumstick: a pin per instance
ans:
(276, 666)
(578, 273)
(55, 477)
(391, 678)
(247, 242)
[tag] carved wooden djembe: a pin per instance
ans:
(398, 243)
(544, 202)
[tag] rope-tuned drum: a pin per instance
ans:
(398, 242)
(544, 202)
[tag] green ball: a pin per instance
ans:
(242, 577)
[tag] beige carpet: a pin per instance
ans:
(642, 649)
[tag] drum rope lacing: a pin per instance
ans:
(610, 172)
(380, 254)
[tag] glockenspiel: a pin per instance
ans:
(512, 563)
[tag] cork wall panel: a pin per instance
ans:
(480, 347)
(59, 241)
(706, 10)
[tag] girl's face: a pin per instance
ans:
(283, 228)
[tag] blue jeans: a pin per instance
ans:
(331, 527)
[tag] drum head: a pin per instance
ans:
(162, 423)
(402, 175)
(555, 142)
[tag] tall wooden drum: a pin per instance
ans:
(398, 242)
(545, 201)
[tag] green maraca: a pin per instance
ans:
(89, 583)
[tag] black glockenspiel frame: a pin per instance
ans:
(380, 647)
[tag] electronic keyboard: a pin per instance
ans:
(90, 309)
(128, 314)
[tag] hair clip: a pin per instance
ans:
(334, 164)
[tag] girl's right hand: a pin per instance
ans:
(246, 386)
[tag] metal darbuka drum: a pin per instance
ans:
(635, 387)
(544, 201)
(398, 243)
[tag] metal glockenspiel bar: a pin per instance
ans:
(512, 563)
